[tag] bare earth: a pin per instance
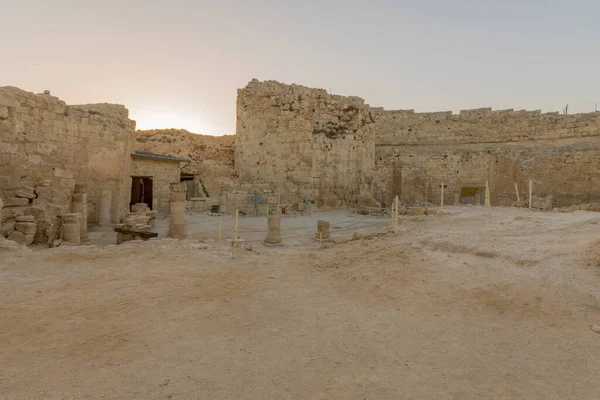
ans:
(459, 306)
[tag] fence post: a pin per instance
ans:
(396, 202)
(487, 198)
(442, 199)
(321, 239)
(530, 191)
(235, 234)
(517, 190)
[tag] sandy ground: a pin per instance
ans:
(459, 306)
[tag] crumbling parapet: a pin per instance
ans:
(79, 205)
(274, 232)
(71, 226)
(177, 210)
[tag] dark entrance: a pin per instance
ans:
(141, 190)
(191, 185)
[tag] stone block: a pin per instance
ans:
(7, 228)
(542, 203)
(28, 228)
(25, 218)
(21, 238)
(26, 192)
(16, 202)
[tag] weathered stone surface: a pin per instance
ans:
(7, 228)
(26, 192)
(542, 203)
(25, 218)
(16, 202)
(140, 208)
(274, 230)
(306, 140)
(49, 146)
(28, 228)
(21, 238)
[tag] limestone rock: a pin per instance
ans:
(25, 218)
(16, 202)
(28, 228)
(21, 238)
(26, 192)
(7, 228)
(140, 208)
(542, 203)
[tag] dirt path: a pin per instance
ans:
(455, 307)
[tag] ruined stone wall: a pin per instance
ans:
(301, 140)
(212, 157)
(416, 152)
(163, 173)
(47, 146)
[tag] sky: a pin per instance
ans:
(179, 63)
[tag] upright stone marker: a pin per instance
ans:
(322, 230)
(274, 234)
(177, 210)
(79, 205)
(71, 225)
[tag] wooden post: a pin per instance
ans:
(220, 227)
(321, 238)
(392, 216)
(517, 190)
(530, 191)
(442, 197)
(396, 202)
(487, 198)
(235, 234)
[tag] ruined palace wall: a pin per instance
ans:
(301, 140)
(47, 146)
(416, 152)
(162, 173)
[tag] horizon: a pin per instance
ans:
(179, 66)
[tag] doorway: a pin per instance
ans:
(141, 190)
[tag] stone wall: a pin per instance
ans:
(212, 157)
(163, 173)
(301, 140)
(47, 146)
(416, 152)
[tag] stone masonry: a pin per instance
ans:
(301, 140)
(47, 146)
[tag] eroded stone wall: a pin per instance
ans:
(47, 146)
(301, 141)
(416, 152)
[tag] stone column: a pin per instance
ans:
(177, 210)
(104, 218)
(79, 205)
(71, 225)
(322, 230)
(274, 234)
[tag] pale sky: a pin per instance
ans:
(178, 63)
